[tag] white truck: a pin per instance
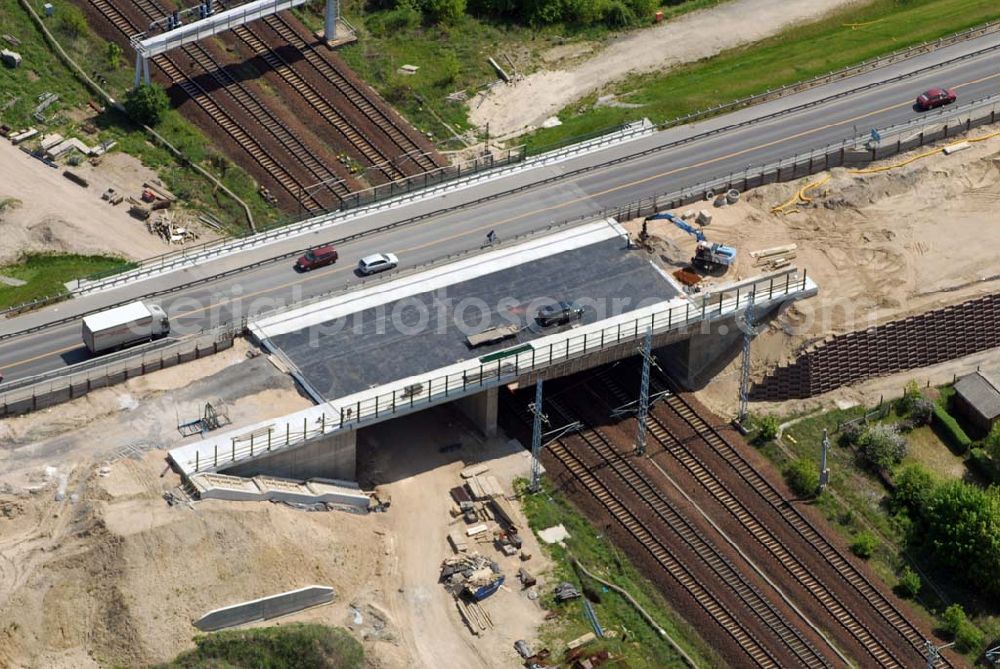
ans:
(124, 325)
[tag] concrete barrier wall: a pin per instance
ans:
(918, 341)
(265, 608)
(57, 391)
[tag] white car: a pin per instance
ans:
(378, 262)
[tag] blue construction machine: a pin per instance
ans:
(707, 256)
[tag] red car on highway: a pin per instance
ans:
(935, 97)
(317, 257)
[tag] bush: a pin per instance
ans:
(882, 446)
(285, 647)
(909, 583)
(914, 484)
(803, 478)
(984, 465)
(618, 15)
(954, 434)
(992, 442)
(444, 11)
(72, 24)
(767, 428)
(968, 637)
(911, 394)
(922, 411)
(953, 618)
(864, 544)
(147, 104)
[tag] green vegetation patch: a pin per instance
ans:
(844, 38)
(46, 273)
(634, 641)
(286, 647)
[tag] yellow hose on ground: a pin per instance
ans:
(800, 197)
(925, 154)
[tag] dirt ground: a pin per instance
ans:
(96, 569)
(38, 219)
(880, 245)
(574, 71)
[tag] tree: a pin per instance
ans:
(909, 583)
(113, 52)
(967, 636)
(146, 104)
(882, 445)
(911, 393)
(803, 478)
(864, 544)
(960, 528)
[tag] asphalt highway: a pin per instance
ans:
(575, 188)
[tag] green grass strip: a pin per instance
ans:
(842, 39)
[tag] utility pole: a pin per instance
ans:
(934, 652)
(748, 333)
(536, 437)
(647, 359)
(824, 471)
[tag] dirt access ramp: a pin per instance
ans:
(881, 245)
(522, 106)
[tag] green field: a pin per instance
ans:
(842, 39)
(638, 645)
(45, 274)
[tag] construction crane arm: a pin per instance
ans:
(680, 223)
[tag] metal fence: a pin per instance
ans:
(51, 388)
(504, 367)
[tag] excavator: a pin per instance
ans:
(707, 256)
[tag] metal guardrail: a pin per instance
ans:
(324, 219)
(843, 73)
(506, 368)
(943, 123)
(50, 388)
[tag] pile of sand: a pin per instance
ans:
(880, 245)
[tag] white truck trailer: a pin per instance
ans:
(124, 325)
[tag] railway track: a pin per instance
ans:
(681, 450)
(635, 527)
(292, 143)
(240, 133)
(359, 97)
(709, 554)
(317, 101)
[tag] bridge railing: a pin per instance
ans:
(502, 367)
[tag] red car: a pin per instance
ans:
(935, 97)
(317, 257)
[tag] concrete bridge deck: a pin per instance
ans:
(407, 376)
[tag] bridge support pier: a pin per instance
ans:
(333, 456)
(481, 409)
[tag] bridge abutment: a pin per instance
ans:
(333, 456)
(481, 409)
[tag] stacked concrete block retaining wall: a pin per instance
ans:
(918, 341)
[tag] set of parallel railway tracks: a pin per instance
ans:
(288, 159)
(609, 473)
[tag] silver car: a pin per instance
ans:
(378, 262)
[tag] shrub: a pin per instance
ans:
(882, 445)
(767, 427)
(909, 583)
(954, 433)
(953, 618)
(981, 462)
(618, 15)
(113, 53)
(864, 544)
(444, 11)
(914, 484)
(803, 478)
(911, 394)
(147, 104)
(292, 645)
(922, 411)
(992, 442)
(968, 637)
(850, 433)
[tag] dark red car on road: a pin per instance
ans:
(317, 257)
(935, 97)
